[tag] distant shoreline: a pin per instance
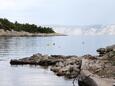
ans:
(13, 33)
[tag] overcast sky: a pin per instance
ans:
(59, 12)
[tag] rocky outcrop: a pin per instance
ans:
(89, 70)
(101, 68)
(67, 66)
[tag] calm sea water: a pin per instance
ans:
(19, 47)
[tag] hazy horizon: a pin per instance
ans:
(92, 30)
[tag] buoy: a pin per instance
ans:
(48, 44)
(83, 42)
(53, 43)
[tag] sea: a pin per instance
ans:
(79, 41)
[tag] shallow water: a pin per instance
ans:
(19, 47)
(29, 76)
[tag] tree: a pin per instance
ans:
(32, 28)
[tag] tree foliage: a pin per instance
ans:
(32, 28)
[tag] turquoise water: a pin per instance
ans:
(19, 47)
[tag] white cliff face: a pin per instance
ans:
(86, 30)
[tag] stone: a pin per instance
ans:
(101, 50)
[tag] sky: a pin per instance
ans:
(59, 12)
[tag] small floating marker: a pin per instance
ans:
(48, 44)
(83, 42)
(53, 43)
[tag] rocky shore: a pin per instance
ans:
(88, 70)
(12, 33)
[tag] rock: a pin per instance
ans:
(37, 55)
(71, 66)
(62, 71)
(101, 51)
(88, 79)
(43, 60)
(110, 48)
(84, 80)
(20, 62)
(72, 72)
(108, 56)
(55, 69)
(58, 56)
(88, 56)
(47, 62)
(60, 64)
(72, 56)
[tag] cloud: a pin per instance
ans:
(103, 30)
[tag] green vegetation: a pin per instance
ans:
(32, 28)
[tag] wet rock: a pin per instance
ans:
(20, 62)
(84, 80)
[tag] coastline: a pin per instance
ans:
(98, 70)
(13, 33)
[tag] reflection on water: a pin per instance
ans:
(22, 46)
(18, 47)
(29, 76)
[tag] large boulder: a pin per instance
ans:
(84, 80)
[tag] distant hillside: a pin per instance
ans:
(31, 28)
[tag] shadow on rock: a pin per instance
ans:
(86, 81)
